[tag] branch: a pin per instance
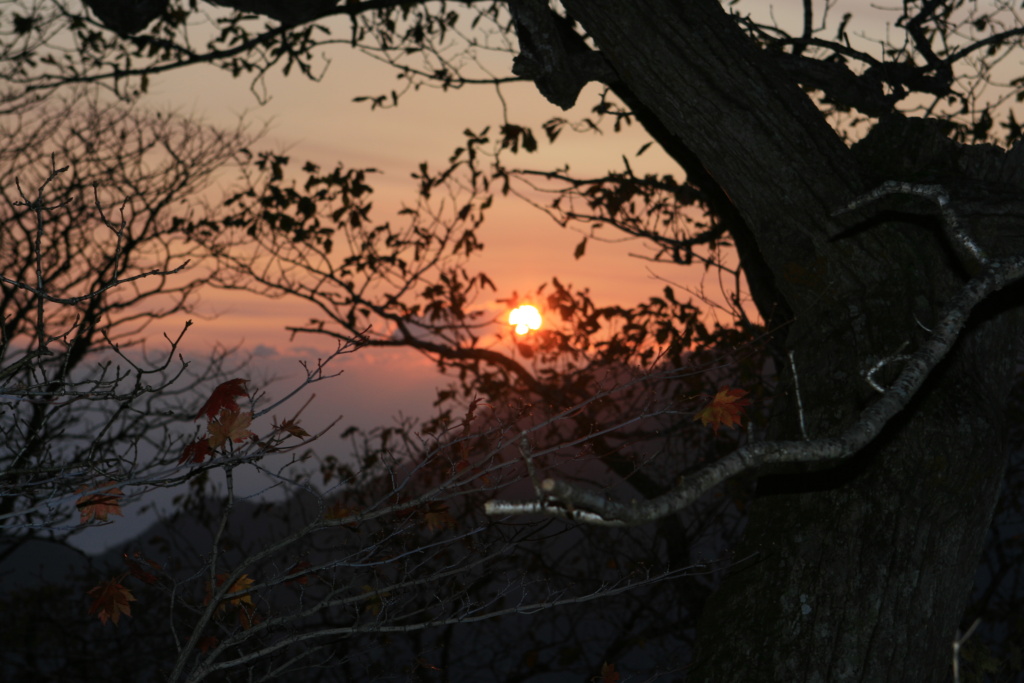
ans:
(553, 55)
(562, 499)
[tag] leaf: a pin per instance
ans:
(374, 600)
(110, 600)
(139, 571)
(580, 249)
(293, 428)
(437, 517)
(726, 408)
(339, 511)
(609, 674)
(300, 571)
(101, 504)
(248, 617)
(229, 426)
(241, 584)
(237, 598)
(195, 452)
(23, 25)
(223, 398)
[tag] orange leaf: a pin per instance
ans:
(229, 426)
(110, 600)
(99, 505)
(247, 615)
(339, 511)
(208, 643)
(726, 408)
(223, 398)
(195, 452)
(241, 584)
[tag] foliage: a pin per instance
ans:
(110, 601)
(726, 408)
(393, 542)
(81, 394)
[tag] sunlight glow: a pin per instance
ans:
(525, 318)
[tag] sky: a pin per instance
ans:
(320, 122)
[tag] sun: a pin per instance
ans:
(525, 318)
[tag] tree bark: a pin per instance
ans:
(858, 572)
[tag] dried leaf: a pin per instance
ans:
(299, 571)
(293, 428)
(580, 249)
(223, 398)
(437, 517)
(138, 570)
(238, 599)
(248, 617)
(726, 408)
(99, 505)
(229, 426)
(196, 452)
(374, 600)
(338, 511)
(110, 600)
(609, 674)
(241, 584)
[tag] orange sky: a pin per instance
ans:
(319, 122)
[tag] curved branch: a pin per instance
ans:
(562, 499)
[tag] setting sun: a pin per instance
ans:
(525, 318)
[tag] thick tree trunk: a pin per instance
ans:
(861, 572)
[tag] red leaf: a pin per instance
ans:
(248, 617)
(726, 408)
(110, 600)
(609, 674)
(299, 571)
(140, 572)
(99, 505)
(223, 398)
(195, 452)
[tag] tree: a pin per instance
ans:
(83, 275)
(874, 495)
(397, 544)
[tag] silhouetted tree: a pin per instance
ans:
(878, 235)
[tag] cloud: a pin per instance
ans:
(264, 351)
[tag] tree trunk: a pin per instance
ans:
(859, 572)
